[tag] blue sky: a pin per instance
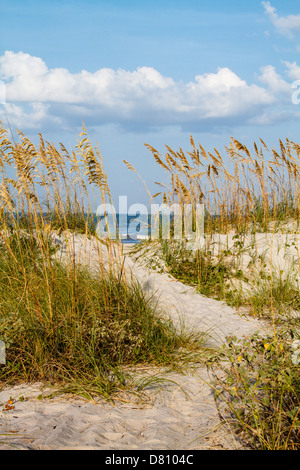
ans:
(151, 72)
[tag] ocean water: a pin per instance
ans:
(129, 228)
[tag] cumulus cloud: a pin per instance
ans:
(140, 98)
(293, 70)
(285, 25)
(274, 81)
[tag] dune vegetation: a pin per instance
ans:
(62, 323)
(66, 325)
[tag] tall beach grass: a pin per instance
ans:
(63, 323)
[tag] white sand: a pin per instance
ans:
(181, 415)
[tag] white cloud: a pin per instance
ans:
(285, 25)
(32, 116)
(293, 70)
(274, 117)
(140, 98)
(274, 81)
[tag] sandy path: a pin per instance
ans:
(182, 415)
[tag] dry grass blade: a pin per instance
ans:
(129, 166)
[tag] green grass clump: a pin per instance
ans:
(73, 218)
(260, 388)
(198, 270)
(275, 297)
(64, 325)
